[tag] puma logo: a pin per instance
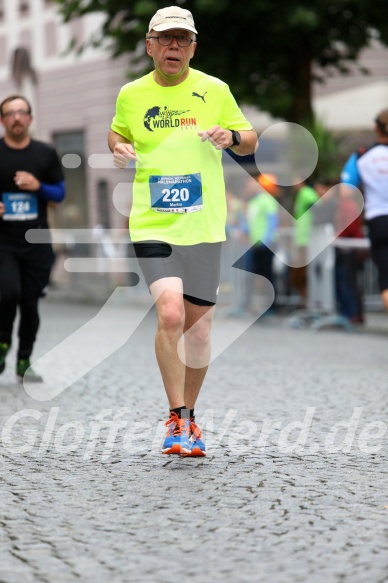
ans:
(194, 94)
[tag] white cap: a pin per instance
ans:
(172, 17)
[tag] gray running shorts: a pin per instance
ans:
(198, 266)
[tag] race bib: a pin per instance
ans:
(20, 206)
(176, 194)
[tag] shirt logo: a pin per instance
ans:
(194, 94)
(162, 117)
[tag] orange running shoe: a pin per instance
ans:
(197, 446)
(178, 434)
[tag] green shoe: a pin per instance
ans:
(4, 347)
(25, 372)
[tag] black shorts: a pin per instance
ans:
(198, 266)
(378, 235)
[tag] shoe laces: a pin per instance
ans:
(180, 425)
(195, 431)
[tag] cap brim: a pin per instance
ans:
(171, 26)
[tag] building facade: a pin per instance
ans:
(73, 100)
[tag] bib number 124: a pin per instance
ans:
(20, 207)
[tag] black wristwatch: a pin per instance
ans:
(236, 138)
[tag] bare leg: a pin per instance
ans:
(168, 297)
(182, 377)
(198, 321)
(384, 295)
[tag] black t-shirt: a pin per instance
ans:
(42, 161)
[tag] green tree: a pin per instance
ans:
(267, 50)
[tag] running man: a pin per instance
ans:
(30, 177)
(178, 217)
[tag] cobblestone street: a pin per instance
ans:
(294, 487)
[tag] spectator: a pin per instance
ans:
(349, 262)
(342, 212)
(369, 170)
(305, 198)
(262, 221)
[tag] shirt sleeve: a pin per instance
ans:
(53, 192)
(311, 198)
(350, 173)
(119, 124)
(54, 173)
(232, 118)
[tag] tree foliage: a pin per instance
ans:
(267, 50)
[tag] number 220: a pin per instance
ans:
(175, 194)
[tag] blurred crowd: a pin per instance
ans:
(259, 223)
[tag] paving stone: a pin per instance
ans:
(291, 491)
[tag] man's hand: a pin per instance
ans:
(221, 139)
(26, 181)
(2, 209)
(122, 154)
(218, 137)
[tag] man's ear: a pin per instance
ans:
(149, 47)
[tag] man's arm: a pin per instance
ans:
(123, 150)
(249, 143)
(350, 173)
(26, 181)
(350, 177)
(221, 138)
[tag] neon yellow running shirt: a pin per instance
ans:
(179, 189)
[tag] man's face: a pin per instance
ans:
(16, 118)
(321, 188)
(172, 61)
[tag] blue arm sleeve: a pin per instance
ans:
(272, 225)
(350, 173)
(54, 192)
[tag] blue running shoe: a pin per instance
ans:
(197, 446)
(178, 434)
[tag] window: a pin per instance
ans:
(50, 34)
(102, 203)
(24, 6)
(75, 212)
(3, 51)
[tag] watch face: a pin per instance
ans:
(236, 138)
